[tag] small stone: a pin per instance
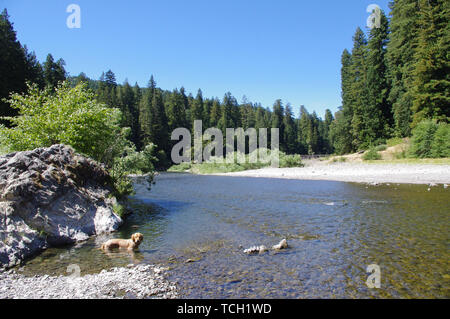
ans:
(281, 245)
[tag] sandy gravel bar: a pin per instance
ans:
(358, 172)
(141, 281)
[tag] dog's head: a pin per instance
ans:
(137, 238)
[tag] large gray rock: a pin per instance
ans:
(51, 196)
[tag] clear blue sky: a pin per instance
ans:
(262, 49)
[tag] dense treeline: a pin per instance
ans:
(152, 113)
(396, 78)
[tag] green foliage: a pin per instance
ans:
(431, 84)
(17, 65)
(69, 116)
(422, 139)
(400, 60)
(54, 72)
(381, 147)
(440, 147)
(73, 117)
(219, 165)
(180, 167)
(394, 141)
(290, 160)
(132, 162)
(339, 159)
(371, 155)
(119, 210)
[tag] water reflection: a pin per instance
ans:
(199, 226)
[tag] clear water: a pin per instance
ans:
(334, 229)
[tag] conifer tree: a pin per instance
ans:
(358, 90)
(290, 132)
(378, 113)
(431, 86)
(54, 72)
(130, 112)
(176, 112)
(197, 108)
(303, 130)
(342, 133)
(17, 66)
(277, 122)
(216, 113)
(207, 103)
(328, 148)
(401, 61)
(159, 130)
(145, 112)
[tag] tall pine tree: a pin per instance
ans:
(431, 86)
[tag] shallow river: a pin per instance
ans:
(334, 230)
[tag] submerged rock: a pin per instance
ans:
(261, 249)
(256, 250)
(281, 245)
(51, 196)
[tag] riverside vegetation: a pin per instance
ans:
(389, 88)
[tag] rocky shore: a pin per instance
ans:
(357, 172)
(50, 197)
(140, 281)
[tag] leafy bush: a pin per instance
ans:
(219, 165)
(132, 162)
(430, 140)
(68, 116)
(119, 210)
(380, 148)
(441, 141)
(371, 155)
(72, 116)
(180, 168)
(290, 160)
(394, 141)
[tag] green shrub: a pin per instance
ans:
(68, 116)
(180, 167)
(290, 160)
(422, 139)
(441, 141)
(72, 116)
(219, 164)
(394, 141)
(380, 148)
(401, 155)
(371, 155)
(119, 210)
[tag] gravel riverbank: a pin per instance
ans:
(141, 281)
(357, 172)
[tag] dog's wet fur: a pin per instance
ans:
(130, 244)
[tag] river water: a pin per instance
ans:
(198, 226)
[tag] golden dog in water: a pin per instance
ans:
(130, 244)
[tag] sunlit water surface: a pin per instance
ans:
(200, 225)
